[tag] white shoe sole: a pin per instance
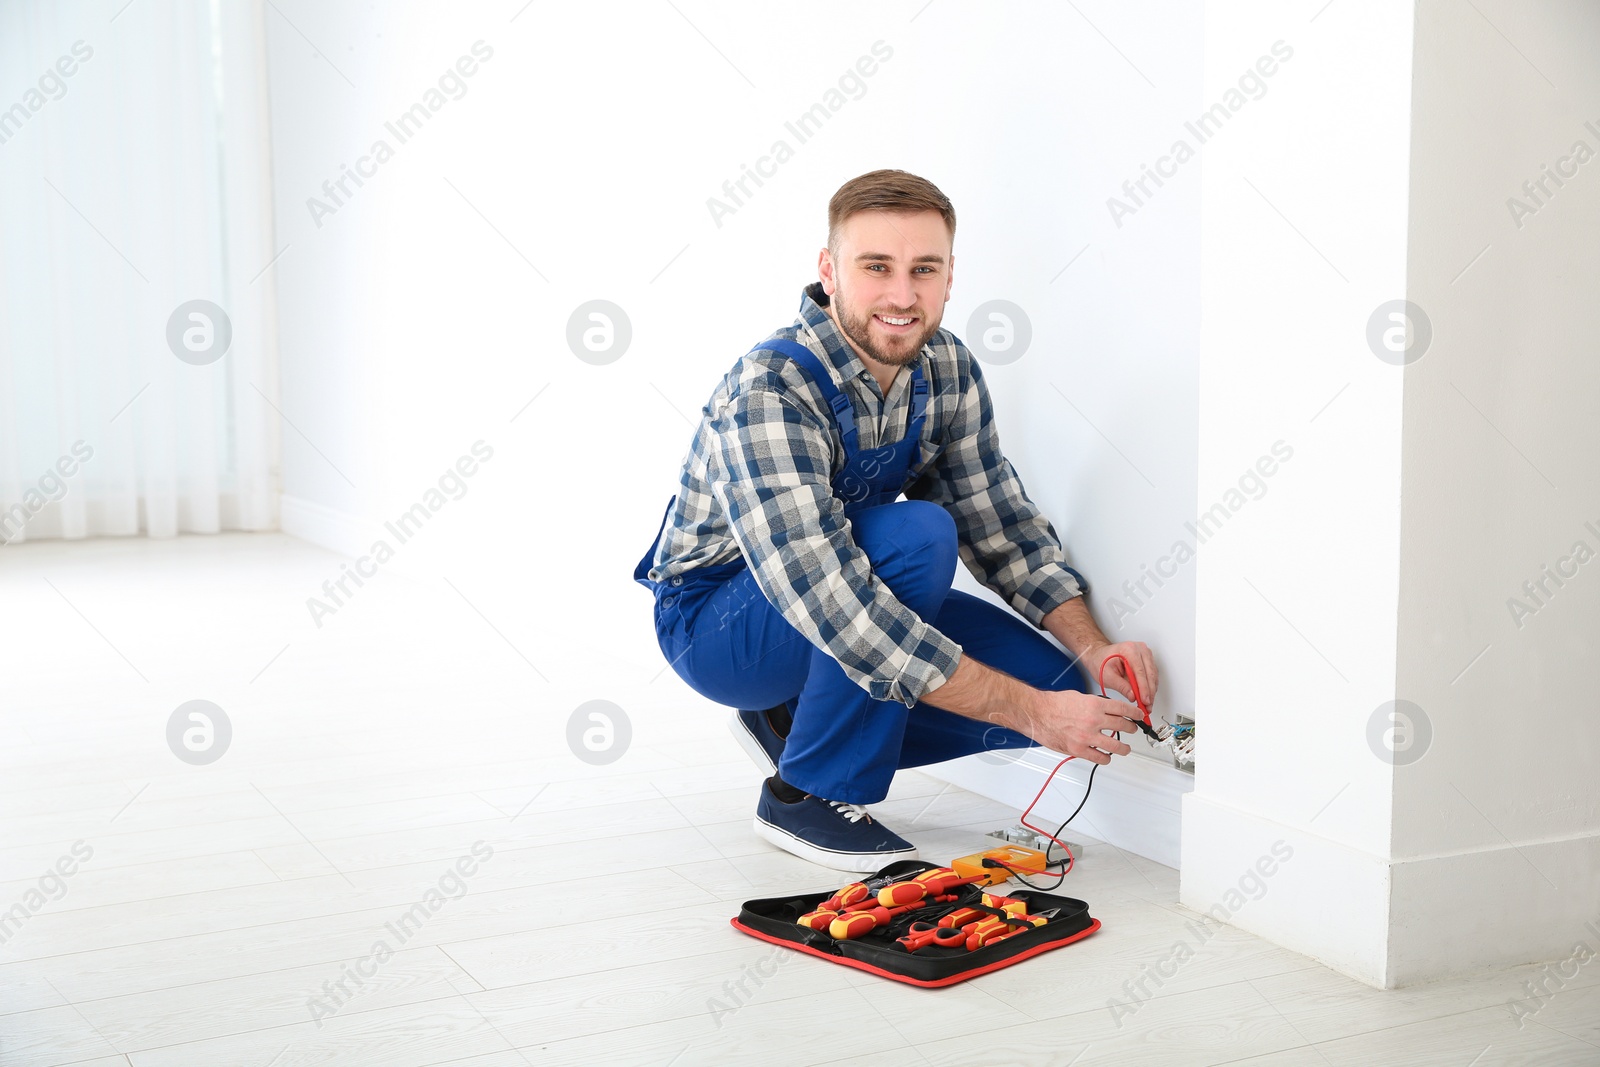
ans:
(751, 746)
(852, 862)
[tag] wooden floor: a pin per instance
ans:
(221, 907)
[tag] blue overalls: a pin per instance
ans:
(727, 641)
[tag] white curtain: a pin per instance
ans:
(134, 178)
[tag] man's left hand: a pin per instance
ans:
(1137, 654)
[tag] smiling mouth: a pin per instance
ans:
(896, 323)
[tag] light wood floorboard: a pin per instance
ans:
(229, 914)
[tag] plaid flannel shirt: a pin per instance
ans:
(757, 481)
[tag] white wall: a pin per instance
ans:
(1419, 498)
(411, 328)
(1304, 234)
(1502, 417)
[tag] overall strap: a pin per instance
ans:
(641, 571)
(843, 412)
(919, 403)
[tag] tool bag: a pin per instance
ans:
(774, 919)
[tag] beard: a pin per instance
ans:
(898, 350)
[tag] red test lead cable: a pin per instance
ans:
(1138, 700)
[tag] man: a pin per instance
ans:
(790, 578)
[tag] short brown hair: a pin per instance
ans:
(887, 190)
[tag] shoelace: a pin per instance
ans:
(852, 812)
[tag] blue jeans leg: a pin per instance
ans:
(730, 644)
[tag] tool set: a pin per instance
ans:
(920, 924)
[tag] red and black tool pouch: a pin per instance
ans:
(773, 919)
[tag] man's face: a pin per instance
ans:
(888, 281)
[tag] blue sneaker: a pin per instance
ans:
(828, 832)
(753, 730)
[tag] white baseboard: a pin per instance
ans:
(337, 531)
(1327, 901)
(1508, 905)
(1135, 804)
(1392, 923)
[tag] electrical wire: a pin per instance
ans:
(1015, 872)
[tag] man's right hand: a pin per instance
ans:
(1066, 720)
(1077, 724)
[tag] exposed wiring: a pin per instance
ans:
(1179, 738)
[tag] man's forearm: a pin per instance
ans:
(1074, 627)
(978, 691)
(992, 696)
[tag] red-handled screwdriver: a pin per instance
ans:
(855, 923)
(963, 916)
(980, 933)
(817, 920)
(983, 934)
(931, 884)
(854, 893)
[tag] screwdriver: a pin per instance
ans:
(855, 923)
(854, 893)
(963, 916)
(993, 930)
(980, 933)
(850, 923)
(817, 920)
(930, 884)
